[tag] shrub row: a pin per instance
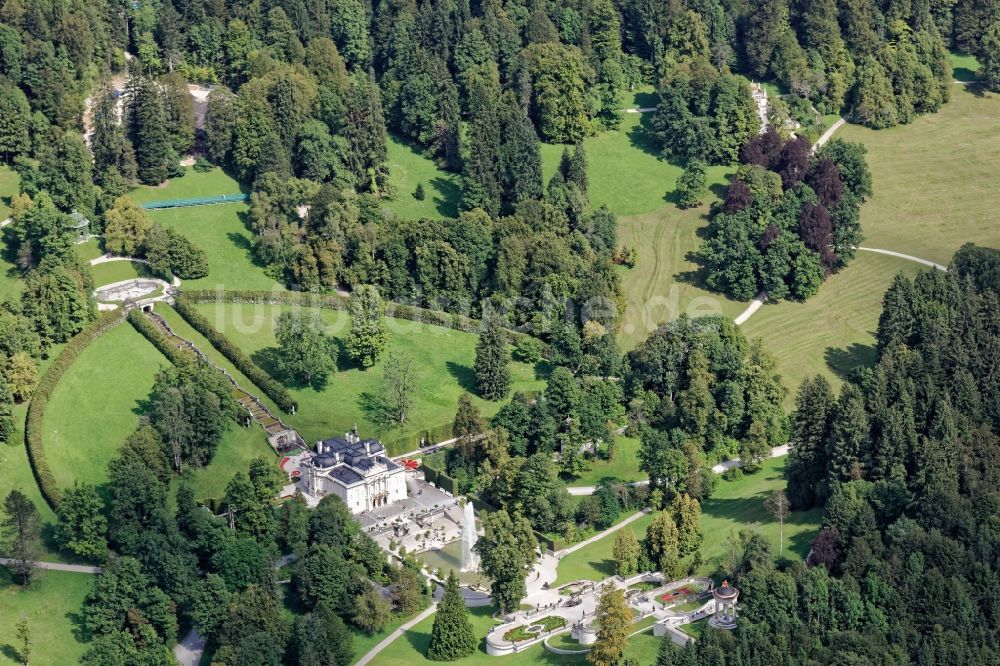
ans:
(40, 399)
(174, 354)
(440, 479)
(404, 443)
(339, 302)
(278, 393)
(555, 544)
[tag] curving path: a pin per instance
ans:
(908, 257)
(385, 642)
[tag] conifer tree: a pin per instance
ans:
(614, 618)
(452, 636)
(366, 134)
(850, 436)
(148, 132)
(492, 357)
(662, 544)
(481, 187)
(626, 551)
(687, 515)
(810, 432)
(468, 424)
(368, 336)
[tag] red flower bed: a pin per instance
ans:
(676, 595)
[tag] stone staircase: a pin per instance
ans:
(279, 436)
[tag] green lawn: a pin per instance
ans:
(116, 271)
(220, 231)
(52, 606)
(408, 166)
(625, 168)
(964, 67)
(665, 283)
(442, 357)
(362, 642)
(594, 562)
(933, 179)
(191, 185)
(90, 250)
(695, 629)
(625, 466)
(737, 505)
(834, 331)
(409, 649)
(97, 403)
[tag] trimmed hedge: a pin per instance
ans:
(404, 443)
(176, 355)
(274, 390)
(554, 544)
(339, 302)
(440, 479)
(40, 399)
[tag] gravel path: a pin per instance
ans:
(908, 257)
(55, 566)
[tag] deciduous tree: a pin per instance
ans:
(614, 618)
(368, 336)
(21, 535)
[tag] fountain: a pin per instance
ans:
(469, 538)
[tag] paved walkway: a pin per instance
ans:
(4, 223)
(755, 305)
(385, 642)
(56, 566)
(908, 257)
(597, 537)
(641, 109)
(828, 133)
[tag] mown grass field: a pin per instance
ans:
(408, 166)
(834, 331)
(442, 360)
(97, 404)
(665, 283)
(410, 648)
(90, 250)
(52, 607)
(933, 180)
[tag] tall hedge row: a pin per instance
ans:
(40, 399)
(274, 390)
(339, 302)
(176, 355)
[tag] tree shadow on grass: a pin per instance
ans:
(269, 360)
(11, 653)
(376, 410)
(845, 361)
(80, 631)
(450, 195)
(641, 136)
(463, 374)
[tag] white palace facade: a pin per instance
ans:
(356, 470)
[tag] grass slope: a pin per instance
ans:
(191, 185)
(97, 404)
(52, 606)
(116, 271)
(737, 505)
(834, 331)
(220, 231)
(408, 166)
(442, 357)
(625, 466)
(665, 283)
(964, 67)
(734, 505)
(933, 178)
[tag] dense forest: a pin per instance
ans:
(903, 462)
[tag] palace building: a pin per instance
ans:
(356, 470)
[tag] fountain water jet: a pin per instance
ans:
(469, 538)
